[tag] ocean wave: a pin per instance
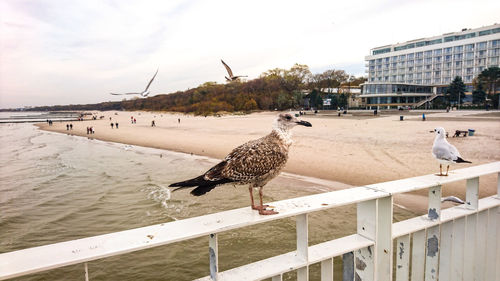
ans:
(159, 194)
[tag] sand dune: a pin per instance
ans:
(352, 150)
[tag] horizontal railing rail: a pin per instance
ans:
(371, 245)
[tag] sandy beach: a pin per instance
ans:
(353, 149)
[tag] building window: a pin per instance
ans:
(419, 55)
(469, 47)
(428, 53)
(459, 49)
(481, 45)
(411, 56)
(438, 52)
(448, 50)
(458, 64)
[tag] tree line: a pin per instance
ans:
(485, 89)
(274, 89)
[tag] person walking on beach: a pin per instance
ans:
(116, 125)
(153, 123)
(112, 125)
(88, 130)
(67, 127)
(179, 120)
(135, 120)
(71, 126)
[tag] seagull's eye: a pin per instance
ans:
(288, 117)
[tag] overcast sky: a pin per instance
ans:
(72, 52)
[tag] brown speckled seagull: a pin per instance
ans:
(254, 163)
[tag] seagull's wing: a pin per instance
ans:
(453, 199)
(454, 151)
(236, 77)
(147, 87)
(442, 151)
(250, 161)
(229, 71)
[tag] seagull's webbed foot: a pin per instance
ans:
(259, 207)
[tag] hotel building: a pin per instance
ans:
(415, 72)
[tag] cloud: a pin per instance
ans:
(60, 52)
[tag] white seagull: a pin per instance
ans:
(444, 152)
(144, 93)
(254, 163)
(230, 72)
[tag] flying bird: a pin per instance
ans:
(144, 93)
(453, 199)
(254, 163)
(444, 152)
(230, 72)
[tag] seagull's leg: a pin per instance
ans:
(263, 210)
(251, 198)
(440, 170)
(447, 168)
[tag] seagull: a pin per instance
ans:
(254, 163)
(453, 199)
(444, 152)
(144, 93)
(230, 72)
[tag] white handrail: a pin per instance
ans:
(31, 260)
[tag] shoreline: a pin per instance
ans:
(353, 152)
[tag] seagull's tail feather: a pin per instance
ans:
(460, 160)
(202, 185)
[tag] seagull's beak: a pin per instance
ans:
(304, 123)
(431, 131)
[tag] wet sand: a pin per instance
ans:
(355, 149)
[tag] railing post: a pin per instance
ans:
(348, 266)
(403, 258)
(213, 252)
(302, 246)
(493, 248)
(418, 256)
(364, 261)
(432, 253)
(327, 270)
(86, 272)
(457, 263)
(446, 251)
(434, 211)
(472, 193)
(498, 185)
(433, 237)
(375, 222)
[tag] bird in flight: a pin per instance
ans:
(230, 72)
(444, 152)
(144, 93)
(254, 163)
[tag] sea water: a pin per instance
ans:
(57, 187)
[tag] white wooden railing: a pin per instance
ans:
(459, 243)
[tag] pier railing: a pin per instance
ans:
(458, 243)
